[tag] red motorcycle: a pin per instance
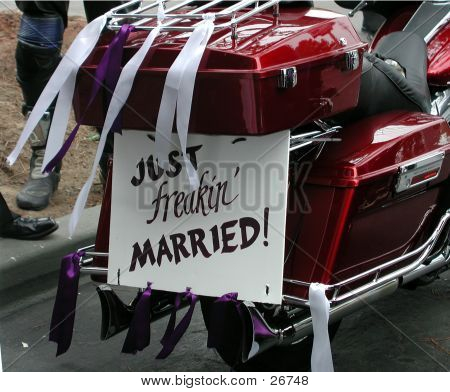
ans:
(368, 215)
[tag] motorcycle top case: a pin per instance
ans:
(238, 87)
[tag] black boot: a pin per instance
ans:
(28, 228)
(36, 193)
(14, 226)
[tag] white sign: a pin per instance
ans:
(227, 236)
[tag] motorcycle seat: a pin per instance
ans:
(410, 51)
(394, 77)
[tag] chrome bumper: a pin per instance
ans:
(409, 272)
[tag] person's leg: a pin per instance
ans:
(93, 9)
(5, 214)
(37, 56)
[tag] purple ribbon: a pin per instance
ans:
(235, 343)
(173, 334)
(138, 336)
(217, 323)
(63, 317)
(108, 70)
(261, 331)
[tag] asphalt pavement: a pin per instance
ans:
(408, 331)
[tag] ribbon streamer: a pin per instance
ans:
(108, 71)
(63, 317)
(138, 336)
(216, 322)
(63, 82)
(173, 334)
(235, 343)
(118, 100)
(177, 96)
(321, 358)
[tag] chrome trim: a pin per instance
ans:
(361, 5)
(352, 60)
(288, 78)
(86, 248)
(97, 254)
(440, 105)
(303, 327)
(229, 13)
(436, 264)
(86, 261)
(424, 250)
(414, 269)
(92, 253)
(305, 139)
(300, 326)
(94, 270)
(421, 165)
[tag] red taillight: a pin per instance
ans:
(425, 176)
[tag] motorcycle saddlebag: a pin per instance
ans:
(370, 198)
(245, 85)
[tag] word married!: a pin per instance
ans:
(198, 242)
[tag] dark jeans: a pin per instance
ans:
(39, 43)
(38, 47)
(59, 8)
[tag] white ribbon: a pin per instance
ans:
(1, 363)
(118, 100)
(63, 82)
(177, 95)
(321, 359)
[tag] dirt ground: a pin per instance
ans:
(77, 163)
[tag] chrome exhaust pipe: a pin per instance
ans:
(266, 337)
(435, 265)
(303, 328)
(116, 315)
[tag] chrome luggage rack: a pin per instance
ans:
(228, 17)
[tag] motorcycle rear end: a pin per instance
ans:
(368, 192)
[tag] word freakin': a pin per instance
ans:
(207, 198)
(223, 238)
